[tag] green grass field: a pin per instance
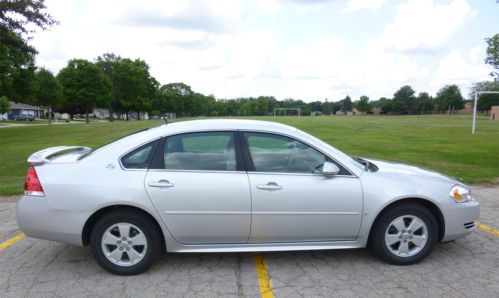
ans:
(439, 143)
(37, 121)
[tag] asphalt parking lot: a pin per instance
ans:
(465, 267)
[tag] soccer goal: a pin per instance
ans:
(287, 112)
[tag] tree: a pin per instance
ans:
(145, 87)
(424, 102)
(403, 100)
(363, 105)
(449, 97)
(346, 104)
(176, 98)
(48, 91)
(245, 107)
(492, 55)
(16, 54)
(315, 106)
(85, 85)
(327, 107)
(4, 105)
(108, 63)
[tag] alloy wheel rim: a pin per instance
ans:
(124, 244)
(406, 236)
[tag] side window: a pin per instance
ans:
(274, 153)
(139, 158)
(206, 151)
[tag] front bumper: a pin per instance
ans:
(38, 220)
(460, 219)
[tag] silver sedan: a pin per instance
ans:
(234, 186)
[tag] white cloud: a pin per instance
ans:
(421, 25)
(329, 68)
(356, 5)
(462, 70)
(269, 6)
(240, 48)
(324, 58)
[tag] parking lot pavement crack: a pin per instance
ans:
(25, 260)
(55, 257)
(240, 292)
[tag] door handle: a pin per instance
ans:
(161, 183)
(269, 186)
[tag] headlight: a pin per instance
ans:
(460, 194)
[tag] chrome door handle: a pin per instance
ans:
(161, 183)
(269, 186)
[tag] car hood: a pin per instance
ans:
(396, 169)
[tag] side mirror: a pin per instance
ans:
(330, 169)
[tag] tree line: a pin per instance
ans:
(125, 86)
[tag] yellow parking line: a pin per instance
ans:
(487, 229)
(263, 277)
(11, 241)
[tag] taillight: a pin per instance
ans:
(32, 186)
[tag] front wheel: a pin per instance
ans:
(405, 234)
(124, 242)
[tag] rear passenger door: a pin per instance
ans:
(199, 186)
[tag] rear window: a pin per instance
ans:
(108, 143)
(139, 158)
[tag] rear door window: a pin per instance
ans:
(205, 151)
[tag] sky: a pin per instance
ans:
(301, 49)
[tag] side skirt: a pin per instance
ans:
(264, 247)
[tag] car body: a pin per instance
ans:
(234, 186)
(21, 117)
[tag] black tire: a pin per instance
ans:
(148, 228)
(381, 249)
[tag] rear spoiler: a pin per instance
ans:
(52, 153)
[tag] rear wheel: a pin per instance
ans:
(124, 242)
(405, 234)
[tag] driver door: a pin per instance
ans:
(292, 201)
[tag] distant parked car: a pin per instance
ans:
(22, 117)
(236, 186)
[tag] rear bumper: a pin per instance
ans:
(36, 219)
(460, 219)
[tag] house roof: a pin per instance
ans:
(18, 106)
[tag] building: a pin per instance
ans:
(468, 109)
(494, 113)
(355, 112)
(23, 111)
(101, 113)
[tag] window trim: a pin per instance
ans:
(244, 163)
(251, 168)
(158, 160)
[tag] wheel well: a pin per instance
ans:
(425, 203)
(89, 225)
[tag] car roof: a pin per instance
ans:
(223, 124)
